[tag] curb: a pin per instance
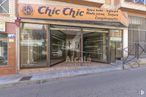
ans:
(65, 75)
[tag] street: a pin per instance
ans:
(126, 83)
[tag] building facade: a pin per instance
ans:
(52, 32)
(47, 33)
(7, 37)
(136, 10)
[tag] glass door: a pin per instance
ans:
(95, 45)
(57, 46)
(33, 42)
(115, 45)
(65, 45)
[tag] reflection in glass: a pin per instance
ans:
(65, 45)
(57, 46)
(95, 46)
(33, 45)
(116, 45)
(3, 49)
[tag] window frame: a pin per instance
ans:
(4, 10)
(5, 39)
(133, 1)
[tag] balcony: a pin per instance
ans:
(94, 3)
(133, 6)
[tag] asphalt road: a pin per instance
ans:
(127, 83)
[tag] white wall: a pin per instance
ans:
(125, 42)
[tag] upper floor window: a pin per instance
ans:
(140, 1)
(137, 1)
(4, 6)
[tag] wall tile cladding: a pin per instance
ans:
(10, 68)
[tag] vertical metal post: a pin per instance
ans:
(137, 50)
(123, 63)
(48, 45)
(81, 47)
(108, 52)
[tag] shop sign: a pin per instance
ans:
(11, 35)
(2, 26)
(71, 13)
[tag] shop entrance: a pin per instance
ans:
(49, 45)
(74, 45)
(65, 44)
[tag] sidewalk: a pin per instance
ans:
(34, 78)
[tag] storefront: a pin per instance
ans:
(7, 37)
(50, 35)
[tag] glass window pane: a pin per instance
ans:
(1, 10)
(5, 5)
(65, 44)
(130, 0)
(95, 45)
(139, 1)
(116, 44)
(33, 45)
(4, 8)
(3, 49)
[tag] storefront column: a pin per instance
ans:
(48, 46)
(125, 42)
(108, 47)
(81, 49)
(18, 48)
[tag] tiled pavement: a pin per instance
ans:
(26, 77)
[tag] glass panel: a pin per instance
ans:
(3, 49)
(57, 46)
(139, 1)
(33, 45)
(65, 44)
(95, 46)
(136, 33)
(4, 8)
(116, 45)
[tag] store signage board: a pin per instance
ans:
(71, 13)
(2, 26)
(11, 35)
